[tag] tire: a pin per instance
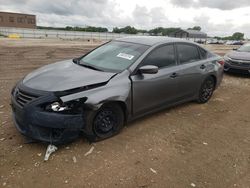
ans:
(106, 122)
(206, 90)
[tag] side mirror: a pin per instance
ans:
(148, 69)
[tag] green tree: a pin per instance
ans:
(127, 30)
(162, 31)
(238, 36)
(198, 28)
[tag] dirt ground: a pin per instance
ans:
(191, 145)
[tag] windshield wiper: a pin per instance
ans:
(89, 66)
(78, 62)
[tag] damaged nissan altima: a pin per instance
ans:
(96, 94)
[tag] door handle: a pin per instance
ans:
(173, 75)
(202, 66)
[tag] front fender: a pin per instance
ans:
(117, 89)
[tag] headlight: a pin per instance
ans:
(71, 106)
(57, 107)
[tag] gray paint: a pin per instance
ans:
(64, 75)
(141, 93)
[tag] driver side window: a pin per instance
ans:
(163, 56)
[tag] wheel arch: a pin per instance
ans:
(214, 78)
(121, 104)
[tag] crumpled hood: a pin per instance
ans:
(239, 55)
(64, 75)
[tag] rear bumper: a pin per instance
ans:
(33, 121)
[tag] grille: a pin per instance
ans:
(242, 64)
(23, 97)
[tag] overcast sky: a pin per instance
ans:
(216, 17)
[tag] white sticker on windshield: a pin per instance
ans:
(125, 56)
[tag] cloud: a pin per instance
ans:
(145, 18)
(138, 13)
(218, 4)
(86, 8)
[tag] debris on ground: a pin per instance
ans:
(192, 184)
(36, 164)
(2, 139)
(1, 106)
(74, 159)
(50, 149)
(219, 100)
(39, 154)
(205, 143)
(4, 122)
(153, 170)
(90, 151)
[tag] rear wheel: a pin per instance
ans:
(206, 90)
(106, 122)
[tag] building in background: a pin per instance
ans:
(188, 34)
(18, 20)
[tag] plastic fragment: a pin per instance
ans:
(50, 149)
(74, 159)
(90, 151)
(192, 184)
(153, 170)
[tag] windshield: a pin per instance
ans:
(114, 56)
(245, 48)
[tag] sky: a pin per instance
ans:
(216, 17)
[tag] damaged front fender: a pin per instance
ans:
(117, 89)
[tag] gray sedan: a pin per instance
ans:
(122, 80)
(238, 60)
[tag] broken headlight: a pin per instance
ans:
(57, 107)
(71, 106)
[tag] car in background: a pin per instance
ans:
(238, 60)
(215, 41)
(124, 79)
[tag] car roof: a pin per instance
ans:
(151, 40)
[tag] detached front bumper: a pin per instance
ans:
(34, 122)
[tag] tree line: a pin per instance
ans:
(132, 30)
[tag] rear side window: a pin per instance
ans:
(204, 53)
(163, 56)
(187, 53)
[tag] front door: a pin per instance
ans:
(155, 90)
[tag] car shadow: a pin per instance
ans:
(236, 74)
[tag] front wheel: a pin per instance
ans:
(206, 90)
(106, 122)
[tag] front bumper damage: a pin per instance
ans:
(33, 121)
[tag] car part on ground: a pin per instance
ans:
(50, 149)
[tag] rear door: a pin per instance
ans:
(192, 69)
(154, 90)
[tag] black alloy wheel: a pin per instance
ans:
(206, 90)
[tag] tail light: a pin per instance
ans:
(221, 62)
